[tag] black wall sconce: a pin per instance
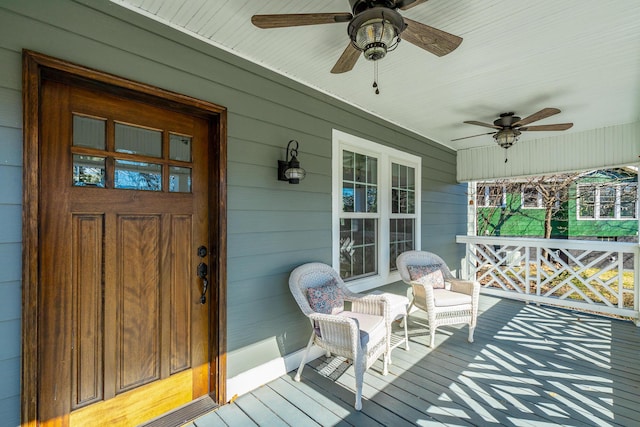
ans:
(290, 169)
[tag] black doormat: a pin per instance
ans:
(183, 414)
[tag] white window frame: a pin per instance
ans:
(484, 201)
(596, 210)
(386, 156)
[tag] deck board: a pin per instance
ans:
(528, 366)
(308, 400)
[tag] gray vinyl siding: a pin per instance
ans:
(10, 235)
(272, 226)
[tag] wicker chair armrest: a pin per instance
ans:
(465, 287)
(423, 295)
(337, 331)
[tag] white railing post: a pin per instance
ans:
(527, 270)
(636, 284)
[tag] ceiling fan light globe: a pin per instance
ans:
(375, 31)
(506, 137)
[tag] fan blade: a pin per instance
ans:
(347, 60)
(542, 114)
(298, 19)
(473, 136)
(430, 39)
(408, 4)
(487, 125)
(558, 126)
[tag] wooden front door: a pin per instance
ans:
(123, 226)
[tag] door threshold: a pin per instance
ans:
(183, 414)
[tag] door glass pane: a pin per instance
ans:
(88, 171)
(138, 176)
(180, 147)
(88, 132)
(358, 248)
(179, 180)
(136, 140)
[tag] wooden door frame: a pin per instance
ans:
(37, 66)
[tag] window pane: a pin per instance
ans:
(530, 197)
(361, 198)
(180, 147)
(489, 195)
(179, 180)
(395, 175)
(88, 132)
(88, 171)
(348, 197)
(628, 201)
(136, 140)
(403, 189)
(372, 199)
(401, 239)
(359, 178)
(348, 165)
(358, 248)
(372, 170)
(411, 202)
(587, 201)
(138, 176)
(361, 168)
(607, 202)
(395, 200)
(411, 179)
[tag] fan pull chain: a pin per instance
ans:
(375, 77)
(506, 157)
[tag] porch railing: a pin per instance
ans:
(596, 276)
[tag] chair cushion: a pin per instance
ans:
(327, 298)
(429, 274)
(445, 298)
(372, 327)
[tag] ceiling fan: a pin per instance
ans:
(509, 126)
(374, 27)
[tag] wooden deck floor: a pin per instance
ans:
(529, 366)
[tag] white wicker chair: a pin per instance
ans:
(361, 334)
(456, 304)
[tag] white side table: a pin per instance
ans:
(398, 310)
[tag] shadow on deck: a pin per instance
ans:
(529, 366)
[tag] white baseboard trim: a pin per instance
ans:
(255, 377)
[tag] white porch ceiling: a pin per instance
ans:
(581, 56)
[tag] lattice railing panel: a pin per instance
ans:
(596, 276)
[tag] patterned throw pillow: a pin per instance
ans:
(427, 275)
(327, 298)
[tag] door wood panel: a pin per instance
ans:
(138, 299)
(87, 310)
